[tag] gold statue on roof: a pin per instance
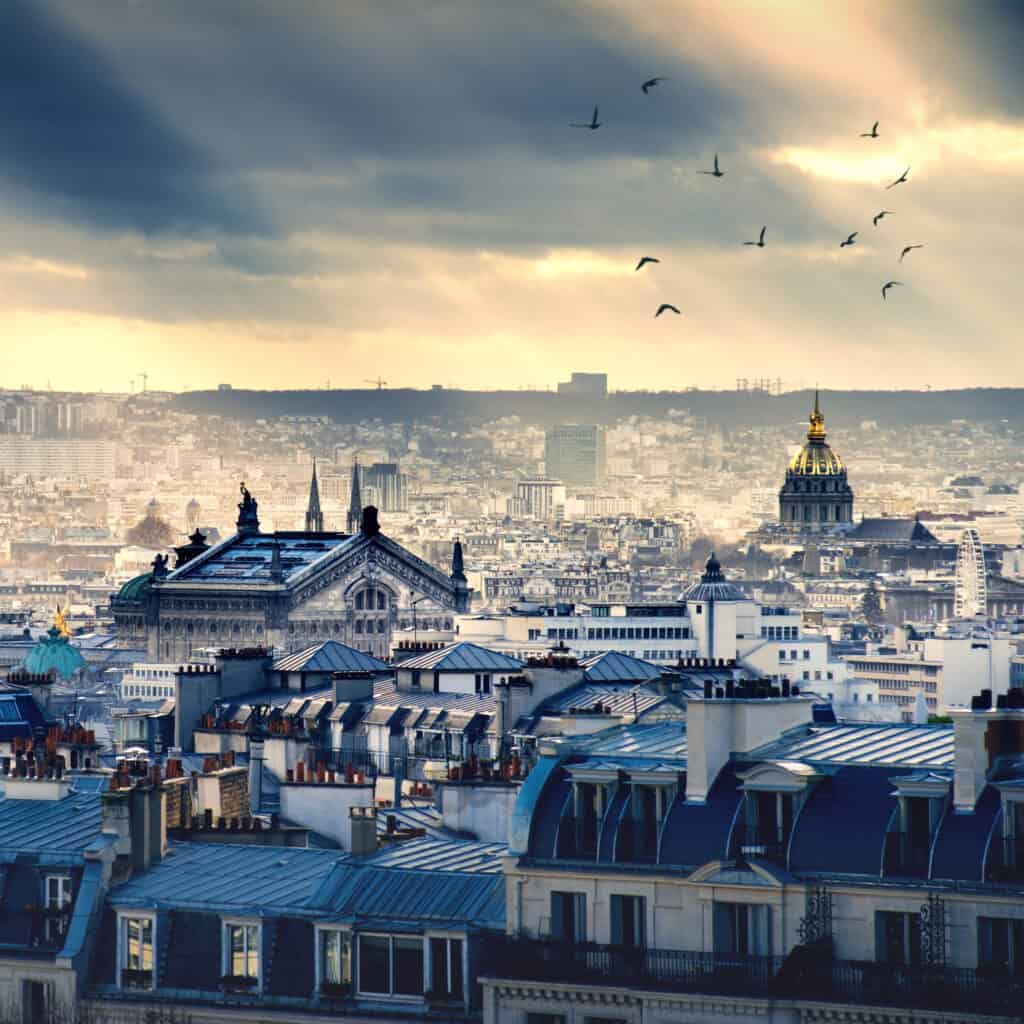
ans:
(60, 621)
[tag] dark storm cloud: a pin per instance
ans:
(79, 142)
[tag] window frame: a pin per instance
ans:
(392, 972)
(227, 954)
(447, 937)
(124, 920)
(345, 936)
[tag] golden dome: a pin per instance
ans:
(816, 458)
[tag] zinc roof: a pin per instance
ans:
(616, 667)
(232, 879)
(664, 740)
(463, 657)
(917, 746)
(441, 855)
(330, 656)
(59, 827)
(619, 700)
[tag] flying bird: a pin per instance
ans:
(592, 125)
(650, 84)
(888, 285)
(849, 241)
(907, 249)
(647, 259)
(716, 173)
(878, 216)
(873, 134)
(663, 307)
(760, 242)
(900, 179)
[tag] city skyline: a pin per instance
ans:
(359, 195)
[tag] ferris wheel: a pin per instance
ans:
(971, 598)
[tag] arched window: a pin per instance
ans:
(360, 600)
(382, 601)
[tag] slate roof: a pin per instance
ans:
(911, 746)
(330, 656)
(19, 713)
(615, 667)
(463, 657)
(895, 530)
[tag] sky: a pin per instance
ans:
(278, 195)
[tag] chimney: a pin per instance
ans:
(255, 772)
(981, 737)
(364, 830)
(718, 728)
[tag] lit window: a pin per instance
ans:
(335, 961)
(242, 952)
(137, 952)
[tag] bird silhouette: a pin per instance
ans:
(663, 307)
(760, 242)
(907, 249)
(647, 259)
(873, 134)
(900, 179)
(888, 285)
(650, 84)
(716, 173)
(849, 241)
(593, 124)
(878, 216)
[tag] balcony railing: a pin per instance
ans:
(763, 844)
(808, 973)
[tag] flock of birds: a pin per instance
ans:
(666, 307)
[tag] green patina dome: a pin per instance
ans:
(54, 654)
(135, 589)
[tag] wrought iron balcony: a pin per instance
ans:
(764, 844)
(808, 973)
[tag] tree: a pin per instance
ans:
(151, 532)
(871, 605)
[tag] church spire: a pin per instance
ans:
(314, 517)
(355, 504)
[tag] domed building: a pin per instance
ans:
(816, 495)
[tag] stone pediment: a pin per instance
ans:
(376, 559)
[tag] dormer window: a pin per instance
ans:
(135, 941)
(240, 955)
(922, 798)
(773, 792)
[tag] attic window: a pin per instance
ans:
(136, 945)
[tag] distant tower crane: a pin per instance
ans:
(380, 382)
(145, 380)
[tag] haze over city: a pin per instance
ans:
(511, 512)
(282, 194)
